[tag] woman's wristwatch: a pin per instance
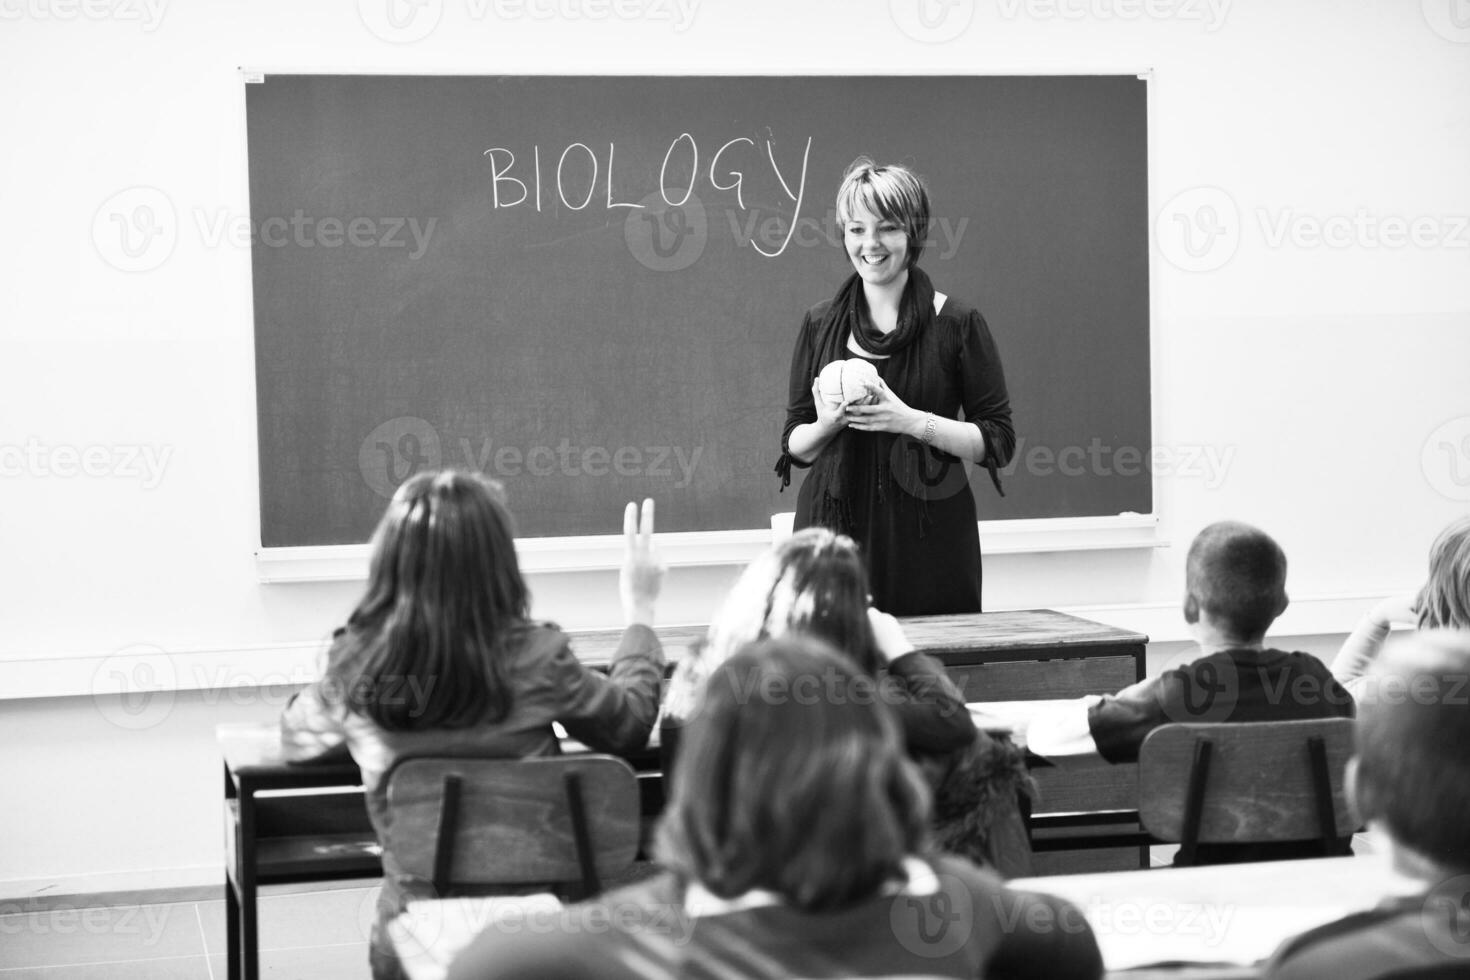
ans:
(930, 424)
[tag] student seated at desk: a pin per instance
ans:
(815, 583)
(1443, 603)
(440, 657)
(1235, 588)
(796, 846)
(1410, 779)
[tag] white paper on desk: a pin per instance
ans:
(1141, 933)
(430, 934)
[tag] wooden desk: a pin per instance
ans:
(1021, 655)
(324, 836)
(1024, 656)
(1225, 919)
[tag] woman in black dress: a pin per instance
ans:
(890, 474)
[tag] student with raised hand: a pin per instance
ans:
(1235, 588)
(1442, 603)
(440, 657)
(815, 583)
(796, 846)
(1410, 780)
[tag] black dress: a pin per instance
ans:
(913, 515)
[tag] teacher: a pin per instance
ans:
(890, 474)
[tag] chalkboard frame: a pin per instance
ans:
(603, 552)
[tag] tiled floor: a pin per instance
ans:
(304, 936)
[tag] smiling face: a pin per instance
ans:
(877, 247)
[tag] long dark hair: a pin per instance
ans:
(793, 778)
(424, 646)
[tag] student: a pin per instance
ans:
(795, 845)
(440, 657)
(1410, 779)
(1443, 603)
(815, 583)
(1235, 588)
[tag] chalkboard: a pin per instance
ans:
(589, 287)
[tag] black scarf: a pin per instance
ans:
(853, 456)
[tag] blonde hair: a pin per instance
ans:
(1444, 602)
(893, 192)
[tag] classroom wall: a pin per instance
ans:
(1310, 338)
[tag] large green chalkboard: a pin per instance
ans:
(454, 271)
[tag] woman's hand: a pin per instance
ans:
(642, 574)
(887, 414)
(892, 644)
(829, 413)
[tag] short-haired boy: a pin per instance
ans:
(1235, 588)
(1410, 779)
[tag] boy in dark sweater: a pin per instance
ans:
(1410, 779)
(1235, 587)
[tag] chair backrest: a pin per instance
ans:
(466, 823)
(1245, 782)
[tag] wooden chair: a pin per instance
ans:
(1245, 782)
(474, 825)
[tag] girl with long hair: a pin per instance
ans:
(441, 657)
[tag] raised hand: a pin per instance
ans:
(642, 573)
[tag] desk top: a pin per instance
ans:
(1041, 629)
(1227, 914)
(254, 749)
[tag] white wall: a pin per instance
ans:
(1328, 370)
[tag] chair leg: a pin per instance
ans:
(1194, 802)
